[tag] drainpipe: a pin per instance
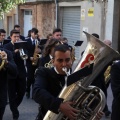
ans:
(56, 13)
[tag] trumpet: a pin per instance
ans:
(22, 54)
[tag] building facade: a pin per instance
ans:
(72, 16)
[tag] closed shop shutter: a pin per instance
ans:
(71, 26)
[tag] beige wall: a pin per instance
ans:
(12, 14)
(43, 17)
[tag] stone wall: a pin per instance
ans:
(43, 17)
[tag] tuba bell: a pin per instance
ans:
(88, 99)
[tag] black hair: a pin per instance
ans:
(95, 35)
(34, 30)
(14, 32)
(57, 30)
(29, 33)
(16, 26)
(62, 48)
(2, 31)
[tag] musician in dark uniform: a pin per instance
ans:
(49, 83)
(31, 45)
(8, 71)
(2, 37)
(115, 86)
(17, 27)
(16, 88)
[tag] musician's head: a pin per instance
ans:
(57, 33)
(2, 34)
(17, 27)
(49, 47)
(95, 35)
(108, 42)
(14, 35)
(34, 33)
(62, 57)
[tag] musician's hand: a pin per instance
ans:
(16, 50)
(68, 110)
(99, 115)
(3, 55)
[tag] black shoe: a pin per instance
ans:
(15, 114)
(27, 95)
(107, 113)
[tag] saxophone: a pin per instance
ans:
(88, 99)
(2, 62)
(36, 55)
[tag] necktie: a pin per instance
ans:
(33, 42)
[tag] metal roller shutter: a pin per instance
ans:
(71, 26)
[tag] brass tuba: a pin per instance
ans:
(88, 99)
(36, 55)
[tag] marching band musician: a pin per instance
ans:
(2, 37)
(16, 88)
(17, 27)
(31, 45)
(46, 59)
(8, 72)
(49, 83)
(115, 86)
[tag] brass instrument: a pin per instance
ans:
(2, 62)
(36, 55)
(22, 54)
(107, 74)
(88, 99)
(49, 64)
(20, 45)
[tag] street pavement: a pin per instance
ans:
(29, 109)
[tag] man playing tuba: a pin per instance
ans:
(49, 83)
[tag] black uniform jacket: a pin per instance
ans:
(10, 72)
(47, 87)
(115, 85)
(18, 60)
(44, 60)
(30, 51)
